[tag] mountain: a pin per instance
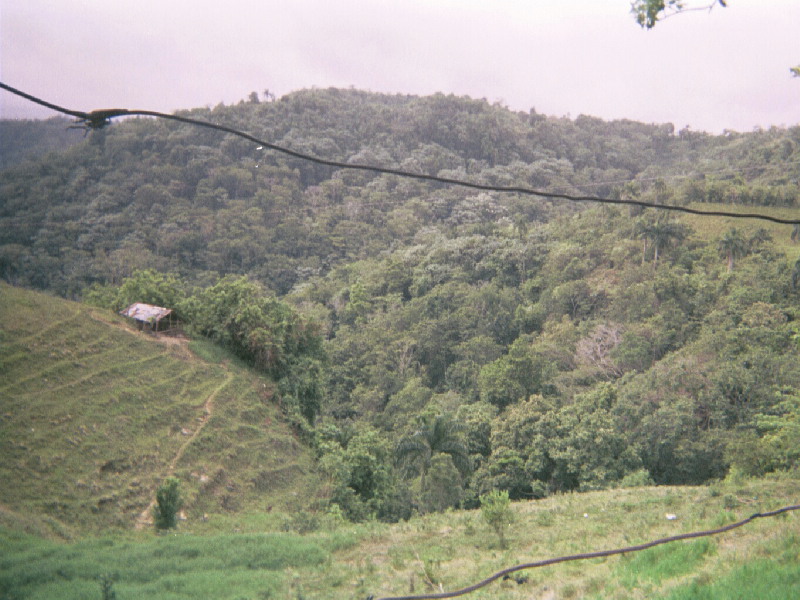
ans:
(475, 340)
(147, 193)
(29, 140)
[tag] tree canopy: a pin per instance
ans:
(556, 346)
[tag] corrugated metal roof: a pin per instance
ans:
(145, 312)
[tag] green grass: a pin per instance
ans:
(665, 562)
(775, 577)
(94, 414)
(212, 353)
(714, 229)
(761, 579)
(245, 556)
(172, 566)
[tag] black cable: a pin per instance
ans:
(97, 119)
(588, 555)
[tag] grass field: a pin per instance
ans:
(243, 556)
(714, 229)
(94, 415)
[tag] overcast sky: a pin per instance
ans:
(727, 68)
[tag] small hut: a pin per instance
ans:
(149, 317)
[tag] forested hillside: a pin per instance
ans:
(472, 340)
(29, 140)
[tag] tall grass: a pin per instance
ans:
(762, 580)
(175, 566)
(664, 562)
(342, 561)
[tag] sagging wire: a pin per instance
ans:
(589, 555)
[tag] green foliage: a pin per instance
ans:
(444, 488)
(147, 286)
(733, 246)
(513, 377)
(640, 478)
(575, 446)
(496, 511)
(168, 503)
(107, 588)
(266, 332)
(772, 445)
(419, 454)
(649, 12)
(505, 470)
(361, 480)
(576, 345)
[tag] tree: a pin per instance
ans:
(505, 470)
(649, 12)
(445, 487)
(515, 376)
(237, 313)
(168, 503)
(496, 511)
(358, 466)
(151, 287)
(733, 246)
(796, 275)
(661, 232)
(436, 434)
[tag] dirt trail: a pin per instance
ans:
(146, 517)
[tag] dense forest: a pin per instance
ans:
(435, 342)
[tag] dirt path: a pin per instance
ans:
(146, 517)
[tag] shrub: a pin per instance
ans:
(496, 511)
(107, 587)
(640, 478)
(168, 503)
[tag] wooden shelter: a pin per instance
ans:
(150, 317)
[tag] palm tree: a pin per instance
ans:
(630, 192)
(642, 230)
(661, 233)
(733, 245)
(796, 275)
(439, 434)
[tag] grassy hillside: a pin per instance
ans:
(242, 556)
(95, 414)
(711, 230)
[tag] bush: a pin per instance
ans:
(107, 587)
(640, 478)
(168, 503)
(496, 511)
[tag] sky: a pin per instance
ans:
(711, 70)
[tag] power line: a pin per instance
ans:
(588, 555)
(97, 119)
